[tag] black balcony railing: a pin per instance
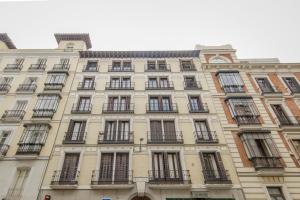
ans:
(5, 87)
(266, 162)
(73, 137)
(269, 90)
(27, 88)
(187, 67)
(160, 86)
(247, 119)
(37, 67)
(233, 88)
(86, 86)
(118, 108)
(61, 68)
(13, 115)
(29, 148)
(192, 85)
(157, 68)
(53, 86)
(13, 67)
(288, 121)
(107, 178)
(121, 137)
(169, 177)
(3, 149)
(65, 177)
(81, 108)
(294, 89)
(216, 176)
(165, 137)
(198, 108)
(43, 113)
(161, 108)
(119, 85)
(206, 137)
(129, 68)
(90, 68)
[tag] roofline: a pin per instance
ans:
(6, 39)
(74, 36)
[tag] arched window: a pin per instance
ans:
(218, 59)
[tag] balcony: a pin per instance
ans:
(198, 108)
(165, 137)
(117, 179)
(119, 86)
(13, 115)
(37, 67)
(187, 67)
(64, 68)
(54, 86)
(4, 87)
(266, 162)
(161, 108)
(111, 108)
(91, 68)
(64, 179)
(3, 149)
(157, 68)
(30, 88)
(195, 85)
(86, 86)
(122, 137)
(160, 86)
(169, 177)
(73, 137)
(288, 121)
(81, 108)
(216, 177)
(203, 137)
(43, 113)
(13, 68)
(247, 120)
(269, 91)
(233, 89)
(27, 148)
(294, 89)
(128, 68)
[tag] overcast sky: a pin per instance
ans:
(256, 28)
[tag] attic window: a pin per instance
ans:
(218, 59)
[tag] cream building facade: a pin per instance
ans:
(108, 125)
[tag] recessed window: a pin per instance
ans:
(275, 193)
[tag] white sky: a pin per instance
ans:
(256, 28)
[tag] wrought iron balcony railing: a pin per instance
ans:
(160, 86)
(86, 86)
(29, 148)
(5, 87)
(13, 115)
(192, 85)
(288, 121)
(269, 90)
(294, 89)
(27, 88)
(198, 107)
(233, 88)
(266, 162)
(43, 113)
(73, 137)
(247, 119)
(119, 85)
(216, 176)
(109, 108)
(61, 68)
(65, 177)
(81, 108)
(88, 68)
(128, 68)
(13, 67)
(107, 178)
(165, 137)
(3, 149)
(206, 137)
(169, 177)
(37, 67)
(157, 68)
(121, 137)
(161, 108)
(53, 86)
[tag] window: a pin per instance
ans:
(29, 84)
(116, 131)
(17, 66)
(119, 103)
(70, 46)
(265, 85)
(114, 168)
(119, 83)
(16, 189)
(17, 112)
(190, 82)
(119, 66)
(261, 149)
(6, 80)
(91, 66)
(292, 84)
(159, 83)
(83, 104)
(231, 81)
(156, 65)
(187, 65)
(56, 79)
(296, 144)
(4, 137)
(195, 104)
(281, 115)
(76, 131)
(40, 65)
(218, 59)
(275, 193)
(163, 131)
(243, 110)
(202, 132)
(88, 83)
(46, 105)
(160, 103)
(69, 172)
